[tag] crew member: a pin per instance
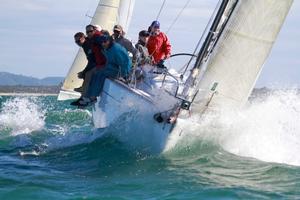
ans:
(119, 37)
(158, 44)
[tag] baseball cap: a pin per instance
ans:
(144, 33)
(155, 24)
(104, 38)
(118, 28)
(97, 27)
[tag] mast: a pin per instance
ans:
(224, 12)
(203, 51)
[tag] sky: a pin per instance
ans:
(37, 35)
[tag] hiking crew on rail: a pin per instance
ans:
(108, 57)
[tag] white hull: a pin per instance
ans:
(129, 115)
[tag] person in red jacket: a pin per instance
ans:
(94, 36)
(158, 45)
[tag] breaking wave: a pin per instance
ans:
(39, 124)
(21, 115)
(268, 129)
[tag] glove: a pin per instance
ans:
(81, 75)
(160, 64)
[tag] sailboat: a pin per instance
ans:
(226, 66)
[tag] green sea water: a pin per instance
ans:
(50, 150)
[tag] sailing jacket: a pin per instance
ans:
(87, 48)
(159, 47)
(117, 59)
(97, 50)
(143, 56)
(127, 44)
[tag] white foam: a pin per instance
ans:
(22, 114)
(268, 130)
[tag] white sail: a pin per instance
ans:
(107, 14)
(237, 60)
(125, 13)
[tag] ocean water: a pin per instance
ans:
(49, 150)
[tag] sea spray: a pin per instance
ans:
(22, 115)
(268, 129)
(54, 125)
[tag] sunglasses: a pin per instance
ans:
(89, 31)
(78, 40)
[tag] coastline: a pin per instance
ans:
(20, 90)
(28, 94)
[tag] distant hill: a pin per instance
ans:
(9, 79)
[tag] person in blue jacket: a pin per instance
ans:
(118, 64)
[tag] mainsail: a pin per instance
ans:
(239, 53)
(107, 14)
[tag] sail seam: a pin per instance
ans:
(251, 37)
(109, 6)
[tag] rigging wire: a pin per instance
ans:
(161, 8)
(201, 38)
(87, 19)
(178, 15)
